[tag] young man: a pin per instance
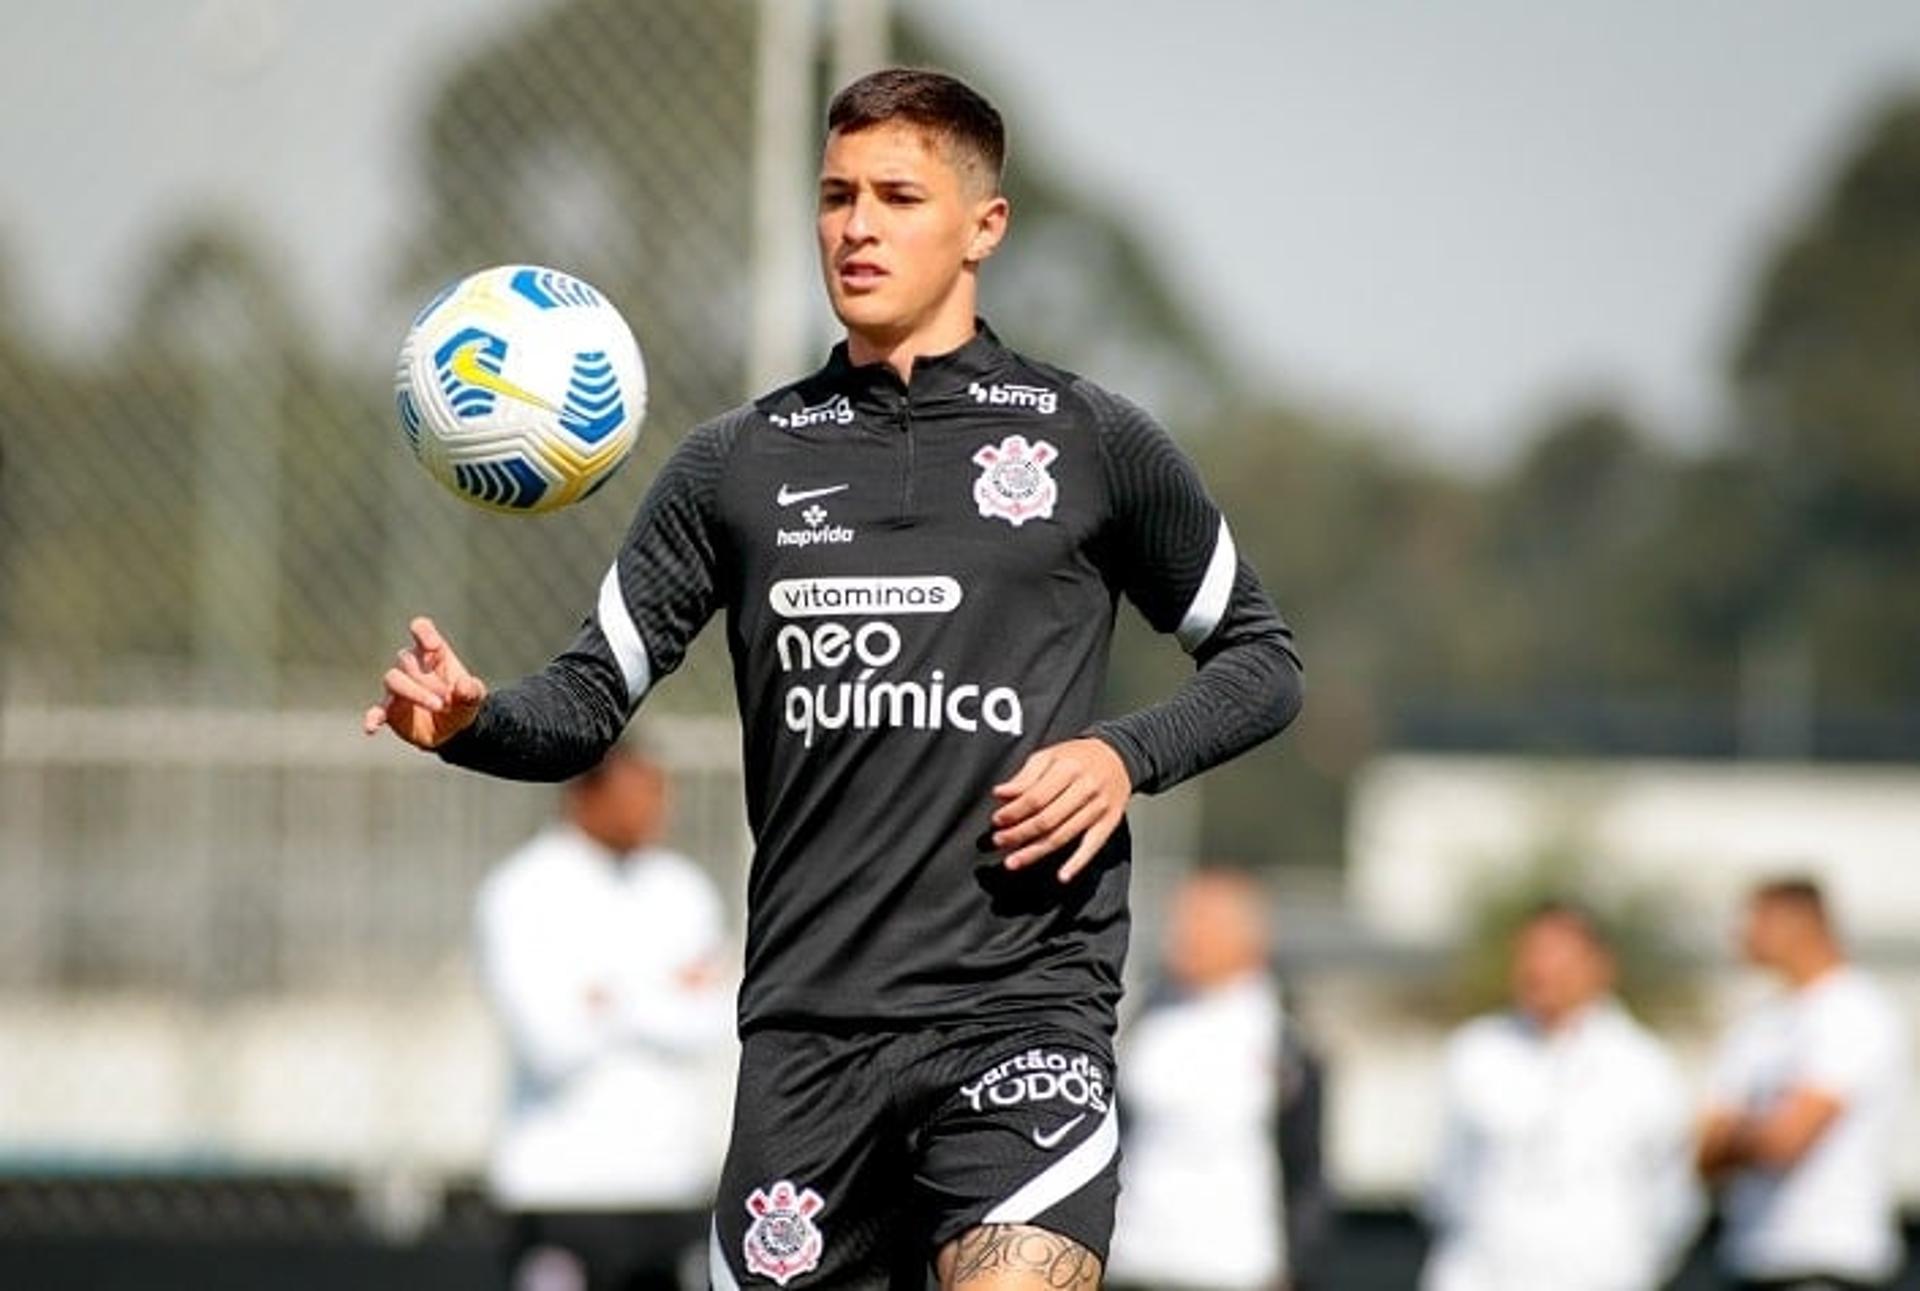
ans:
(1804, 1111)
(599, 950)
(1564, 1154)
(918, 549)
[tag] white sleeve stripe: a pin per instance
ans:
(1062, 1179)
(623, 638)
(718, 1273)
(1216, 589)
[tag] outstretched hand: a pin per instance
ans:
(1075, 789)
(431, 697)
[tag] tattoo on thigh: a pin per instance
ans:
(994, 1250)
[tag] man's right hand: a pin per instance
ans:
(431, 697)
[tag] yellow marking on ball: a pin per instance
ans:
(466, 367)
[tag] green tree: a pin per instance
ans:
(1825, 376)
(1366, 554)
(197, 493)
(1571, 554)
(1078, 283)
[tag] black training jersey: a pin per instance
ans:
(919, 582)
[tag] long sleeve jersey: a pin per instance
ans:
(919, 582)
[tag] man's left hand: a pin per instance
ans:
(1075, 789)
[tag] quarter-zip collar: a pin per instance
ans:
(935, 376)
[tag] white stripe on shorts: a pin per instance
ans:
(1063, 1178)
(719, 1274)
(623, 638)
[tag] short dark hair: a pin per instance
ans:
(940, 104)
(1576, 915)
(1799, 890)
(634, 747)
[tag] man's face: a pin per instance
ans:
(899, 227)
(625, 806)
(1770, 933)
(1557, 970)
(1215, 933)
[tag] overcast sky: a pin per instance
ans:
(1451, 215)
(1455, 214)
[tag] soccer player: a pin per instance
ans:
(1804, 1111)
(1564, 1158)
(918, 550)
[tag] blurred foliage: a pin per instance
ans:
(606, 138)
(1829, 387)
(1638, 925)
(1607, 591)
(593, 137)
(1077, 284)
(197, 495)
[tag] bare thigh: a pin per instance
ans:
(1017, 1257)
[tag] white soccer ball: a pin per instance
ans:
(520, 388)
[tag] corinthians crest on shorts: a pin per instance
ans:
(783, 1241)
(1014, 484)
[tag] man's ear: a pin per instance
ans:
(989, 227)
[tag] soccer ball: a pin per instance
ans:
(520, 388)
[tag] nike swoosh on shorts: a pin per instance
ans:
(1059, 1132)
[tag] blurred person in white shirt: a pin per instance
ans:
(1565, 1153)
(601, 954)
(1801, 1118)
(1215, 1078)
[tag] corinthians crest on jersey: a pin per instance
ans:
(783, 1241)
(1014, 484)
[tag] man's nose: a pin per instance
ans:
(860, 225)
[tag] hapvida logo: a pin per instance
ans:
(817, 532)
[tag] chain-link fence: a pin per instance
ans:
(213, 505)
(233, 930)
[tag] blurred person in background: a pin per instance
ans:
(600, 951)
(1802, 1112)
(1564, 1153)
(1220, 1110)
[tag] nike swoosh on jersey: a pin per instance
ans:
(467, 368)
(1059, 1132)
(786, 497)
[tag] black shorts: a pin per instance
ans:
(855, 1158)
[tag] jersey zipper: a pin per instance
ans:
(906, 480)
